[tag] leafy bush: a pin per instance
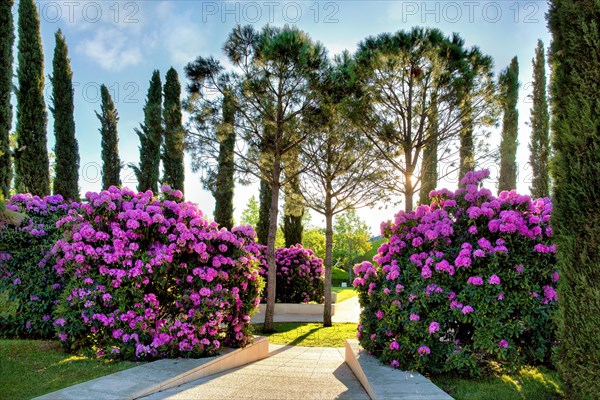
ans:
(29, 287)
(338, 276)
(465, 280)
(149, 278)
(299, 275)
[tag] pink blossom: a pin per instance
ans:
(434, 327)
(494, 280)
(424, 350)
(503, 344)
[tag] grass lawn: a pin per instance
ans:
(309, 334)
(343, 293)
(530, 383)
(30, 368)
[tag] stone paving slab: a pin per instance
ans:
(288, 373)
(384, 382)
(159, 375)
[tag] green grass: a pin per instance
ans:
(30, 368)
(343, 293)
(309, 334)
(530, 383)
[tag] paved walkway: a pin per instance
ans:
(345, 311)
(289, 373)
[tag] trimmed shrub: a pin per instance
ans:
(148, 278)
(299, 275)
(465, 280)
(338, 276)
(29, 287)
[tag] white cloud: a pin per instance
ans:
(111, 49)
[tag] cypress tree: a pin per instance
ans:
(540, 122)
(150, 134)
(7, 38)
(575, 125)
(172, 157)
(109, 118)
(509, 81)
(293, 212)
(31, 157)
(66, 181)
(264, 197)
(223, 192)
(430, 157)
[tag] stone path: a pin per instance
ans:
(289, 373)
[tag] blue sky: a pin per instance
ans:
(120, 43)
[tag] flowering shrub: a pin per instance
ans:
(29, 287)
(149, 278)
(467, 279)
(299, 274)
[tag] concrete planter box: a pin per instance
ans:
(297, 309)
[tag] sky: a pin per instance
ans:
(120, 43)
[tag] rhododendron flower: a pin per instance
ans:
(519, 269)
(379, 314)
(395, 363)
(434, 327)
(503, 344)
(394, 345)
(494, 280)
(467, 310)
(414, 317)
(424, 350)
(475, 280)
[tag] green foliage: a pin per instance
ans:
(540, 128)
(224, 184)
(262, 227)
(429, 175)
(44, 362)
(66, 181)
(314, 239)
(576, 178)
(7, 38)
(350, 239)
(31, 156)
(150, 135)
(250, 213)
(293, 210)
(375, 245)
(109, 118)
(509, 82)
(172, 155)
(339, 275)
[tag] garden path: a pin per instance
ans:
(289, 373)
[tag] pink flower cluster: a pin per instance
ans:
(467, 263)
(299, 274)
(151, 277)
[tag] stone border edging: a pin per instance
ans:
(384, 382)
(160, 375)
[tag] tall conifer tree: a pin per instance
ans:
(172, 156)
(150, 134)
(575, 125)
(540, 125)
(7, 38)
(66, 181)
(509, 81)
(223, 189)
(31, 157)
(109, 118)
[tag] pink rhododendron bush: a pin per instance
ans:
(29, 287)
(463, 281)
(299, 274)
(148, 278)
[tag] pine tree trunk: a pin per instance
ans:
(272, 276)
(328, 261)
